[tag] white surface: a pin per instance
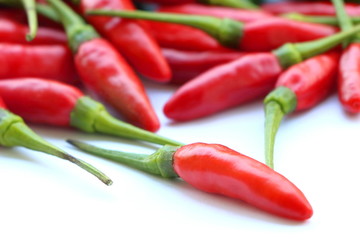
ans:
(44, 197)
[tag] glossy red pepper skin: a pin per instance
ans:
(105, 72)
(131, 38)
(224, 86)
(182, 37)
(14, 32)
(2, 104)
(43, 61)
(349, 78)
(218, 169)
(40, 100)
(271, 33)
(186, 65)
(320, 8)
(311, 80)
(242, 15)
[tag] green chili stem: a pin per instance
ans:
(91, 116)
(47, 11)
(292, 53)
(158, 163)
(328, 20)
(345, 21)
(77, 30)
(29, 6)
(244, 4)
(228, 32)
(14, 132)
(278, 103)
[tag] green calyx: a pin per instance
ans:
(77, 30)
(278, 103)
(292, 53)
(92, 116)
(14, 132)
(227, 31)
(244, 4)
(159, 163)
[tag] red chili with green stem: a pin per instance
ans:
(217, 169)
(14, 132)
(242, 80)
(29, 7)
(264, 35)
(44, 61)
(144, 54)
(300, 87)
(58, 104)
(322, 8)
(15, 32)
(247, 4)
(349, 67)
(242, 15)
(186, 65)
(104, 71)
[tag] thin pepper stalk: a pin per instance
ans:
(69, 107)
(349, 75)
(240, 81)
(104, 71)
(328, 20)
(29, 6)
(246, 4)
(262, 35)
(300, 87)
(14, 132)
(217, 169)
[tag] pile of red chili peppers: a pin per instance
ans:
(218, 54)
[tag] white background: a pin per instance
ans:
(43, 197)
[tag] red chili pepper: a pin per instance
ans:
(242, 15)
(308, 8)
(12, 31)
(217, 169)
(104, 71)
(261, 35)
(300, 87)
(181, 37)
(242, 80)
(144, 54)
(349, 73)
(186, 65)
(14, 132)
(50, 102)
(44, 61)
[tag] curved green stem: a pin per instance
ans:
(228, 32)
(91, 116)
(47, 11)
(14, 132)
(29, 6)
(278, 103)
(244, 4)
(158, 163)
(77, 30)
(292, 53)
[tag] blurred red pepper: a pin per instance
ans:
(12, 31)
(349, 68)
(181, 37)
(261, 35)
(186, 65)
(44, 101)
(242, 15)
(44, 61)
(131, 38)
(217, 169)
(300, 87)
(322, 8)
(242, 80)
(105, 72)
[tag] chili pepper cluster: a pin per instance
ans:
(219, 55)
